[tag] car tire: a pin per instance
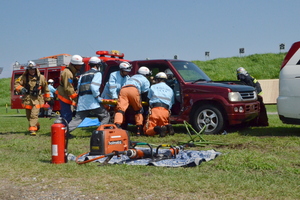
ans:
(210, 116)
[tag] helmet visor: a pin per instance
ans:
(127, 69)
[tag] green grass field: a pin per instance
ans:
(258, 163)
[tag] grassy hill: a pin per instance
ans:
(261, 66)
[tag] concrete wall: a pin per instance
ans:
(270, 89)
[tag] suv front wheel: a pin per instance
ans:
(210, 116)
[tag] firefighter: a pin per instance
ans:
(89, 100)
(116, 81)
(130, 94)
(247, 79)
(66, 91)
(161, 99)
(170, 78)
(174, 84)
(113, 86)
(33, 85)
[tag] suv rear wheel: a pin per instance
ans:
(210, 116)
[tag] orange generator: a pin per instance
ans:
(108, 139)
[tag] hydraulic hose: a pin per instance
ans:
(99, 157)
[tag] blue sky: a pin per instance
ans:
(145, 29)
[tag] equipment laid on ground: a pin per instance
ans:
(109, 144)
(161, 157)
(137, 153)
(108, 141)
(59, 141)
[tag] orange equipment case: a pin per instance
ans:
(107, 139)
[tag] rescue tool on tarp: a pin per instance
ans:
(108, 141)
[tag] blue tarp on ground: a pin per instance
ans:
(185, 158)
(89, 122)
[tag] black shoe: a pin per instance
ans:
(70, 136)
(161, 130)
(170, 129)
(139, 130)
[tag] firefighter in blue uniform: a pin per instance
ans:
(116, 81)
(114, 84)
(130, 95)
(89, 101)
(161, 99)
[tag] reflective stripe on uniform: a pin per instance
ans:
(30, 107)
(32, 128)
(19, 87)
(26, 106)
(138, 81)
(67, 101)
(47, 95)
(73, 96)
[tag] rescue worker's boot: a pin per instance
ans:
(170, 129)
(161, 130)
(139, 130)
(32, 133)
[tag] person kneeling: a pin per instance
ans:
(161, 99)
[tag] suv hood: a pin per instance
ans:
(233, 87)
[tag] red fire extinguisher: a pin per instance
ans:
(59, 141)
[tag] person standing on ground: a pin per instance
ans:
(89, 100)
(66, 91)
(247, 79)
(52, 93)
(130, 94)
(32, 84)
(161, 99)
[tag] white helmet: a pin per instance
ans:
(77, 60)
(161, 75)
(94, 60)
(144, 71)
(31, 65)
(50, 81)
(241, 70)
(125, 66)
(168, 72)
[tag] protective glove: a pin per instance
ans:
(23, 91)
(99, 99)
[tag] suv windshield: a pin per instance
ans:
(190, 72)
